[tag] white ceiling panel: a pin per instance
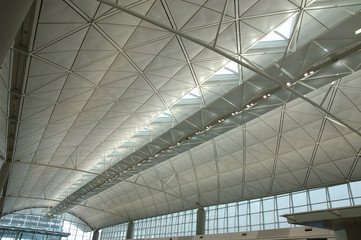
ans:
(148, 123)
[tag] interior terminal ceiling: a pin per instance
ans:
(120, 119)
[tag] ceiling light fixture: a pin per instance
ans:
(358, 31)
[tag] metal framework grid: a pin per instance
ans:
(251, 215)
(96, 77)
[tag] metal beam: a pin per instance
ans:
(19, 69)
(290, 40)
(4, 172)
(12, 15)
(58, 167)
(220, 22)
(226, 55)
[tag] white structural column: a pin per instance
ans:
(4, 172)
(12, 14)
(95, 235)
(201, 221)
(130, 231)
(2, 201)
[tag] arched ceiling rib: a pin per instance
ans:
(99, 78)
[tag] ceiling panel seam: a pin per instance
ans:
(319, 136)
(186, 55)
(278, 145)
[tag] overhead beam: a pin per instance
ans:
(57, 167)
(220, 23)
(12, 15)
(19, 69)
(228, 56)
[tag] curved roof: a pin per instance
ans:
(121, 119)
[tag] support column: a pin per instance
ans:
(130, 231)
(95, 235)
(4, 172)
(2, 201)
(201, 221)
(12, 14)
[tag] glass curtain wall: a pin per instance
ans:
(251, 215)
(265, 213)
(32, 224)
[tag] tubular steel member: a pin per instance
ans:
(226, 55)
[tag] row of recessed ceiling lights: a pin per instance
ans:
(187, 138)
(170, 147)
(173, 146)
(307, 74)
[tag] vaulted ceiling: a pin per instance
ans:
(121, 119)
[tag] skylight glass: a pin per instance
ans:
(285, 28)
(223, 71)
(272, 36)
(232, 66)
(143, 131)
(229, 68)
(165, 114)
(192, 94)
(282, 32)
(128, 142)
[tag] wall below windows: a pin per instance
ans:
(296, 233)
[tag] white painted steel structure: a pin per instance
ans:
(112, 118)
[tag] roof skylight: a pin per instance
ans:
(192, 94)
(285, 29)
(165, 114)
(272, 36)
(231, 68)
(143, 131)
(128, 142)
(282, 32)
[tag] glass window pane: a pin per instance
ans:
(269, 217)
(356, 189)
(238, 217)
(255, 206)
(338, 192)
(340, 203)
(268, 204)
(318, 195)
(300, 209)
(283, 201)
(299, 199)
(242, 208)
(255, 218)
